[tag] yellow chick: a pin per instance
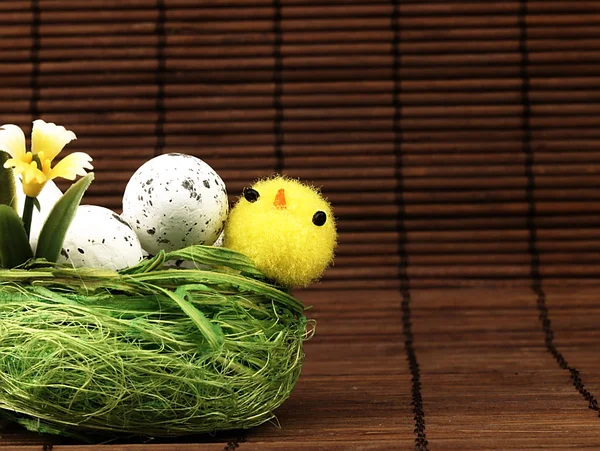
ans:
(287, 229)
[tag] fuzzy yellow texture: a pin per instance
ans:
(283, 242)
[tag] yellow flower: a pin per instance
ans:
(35, 167)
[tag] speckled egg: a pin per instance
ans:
(174, 201)
(99, 238)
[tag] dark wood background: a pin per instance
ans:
(459, 142)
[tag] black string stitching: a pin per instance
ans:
(278, 86)
(417, 399)
(536, 278)
(35, 59)
(161, 42)
(234, 444)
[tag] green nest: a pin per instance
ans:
(152, 350)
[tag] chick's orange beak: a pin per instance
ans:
(279, 201)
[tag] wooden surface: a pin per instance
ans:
(487, 379)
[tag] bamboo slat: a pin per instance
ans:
(120, 73)
(503, 63)
(212, 13)
(147, 26)
(325, 31)
(580, 102)
(553, 221)
(107, 47)
(469, 247)
(210, 75)
(347, 224)
(484, 34)
(62, 4)
(471, 197)
(437, 283)
(493, 8)
(556, 258)
(417, 161)
(459, 272)
(325, 131)
(490, 237)
(553, 258)
(408, 9)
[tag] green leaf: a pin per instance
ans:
(14, 245)
(55, 228)
(8, 187)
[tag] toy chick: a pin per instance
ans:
(287, 228)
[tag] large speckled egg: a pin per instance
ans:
(99, 238)
(47, 198)
(174, 201)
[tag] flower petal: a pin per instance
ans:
(49, 138)
(33, 179)
(32, 173)
(12, 140)
(19, 166)
(72, 166)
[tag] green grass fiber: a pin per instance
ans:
(152, 350)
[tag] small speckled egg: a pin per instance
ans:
(174, 201)
(99, 238)
(47, 198)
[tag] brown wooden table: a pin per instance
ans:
(487, 379)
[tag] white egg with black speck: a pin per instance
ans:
(174, 201)
(99, 238)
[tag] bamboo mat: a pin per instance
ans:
(459, 142)
(443, 130)
(487, 380)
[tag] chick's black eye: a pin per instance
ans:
(319, 218)
(251, 195)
